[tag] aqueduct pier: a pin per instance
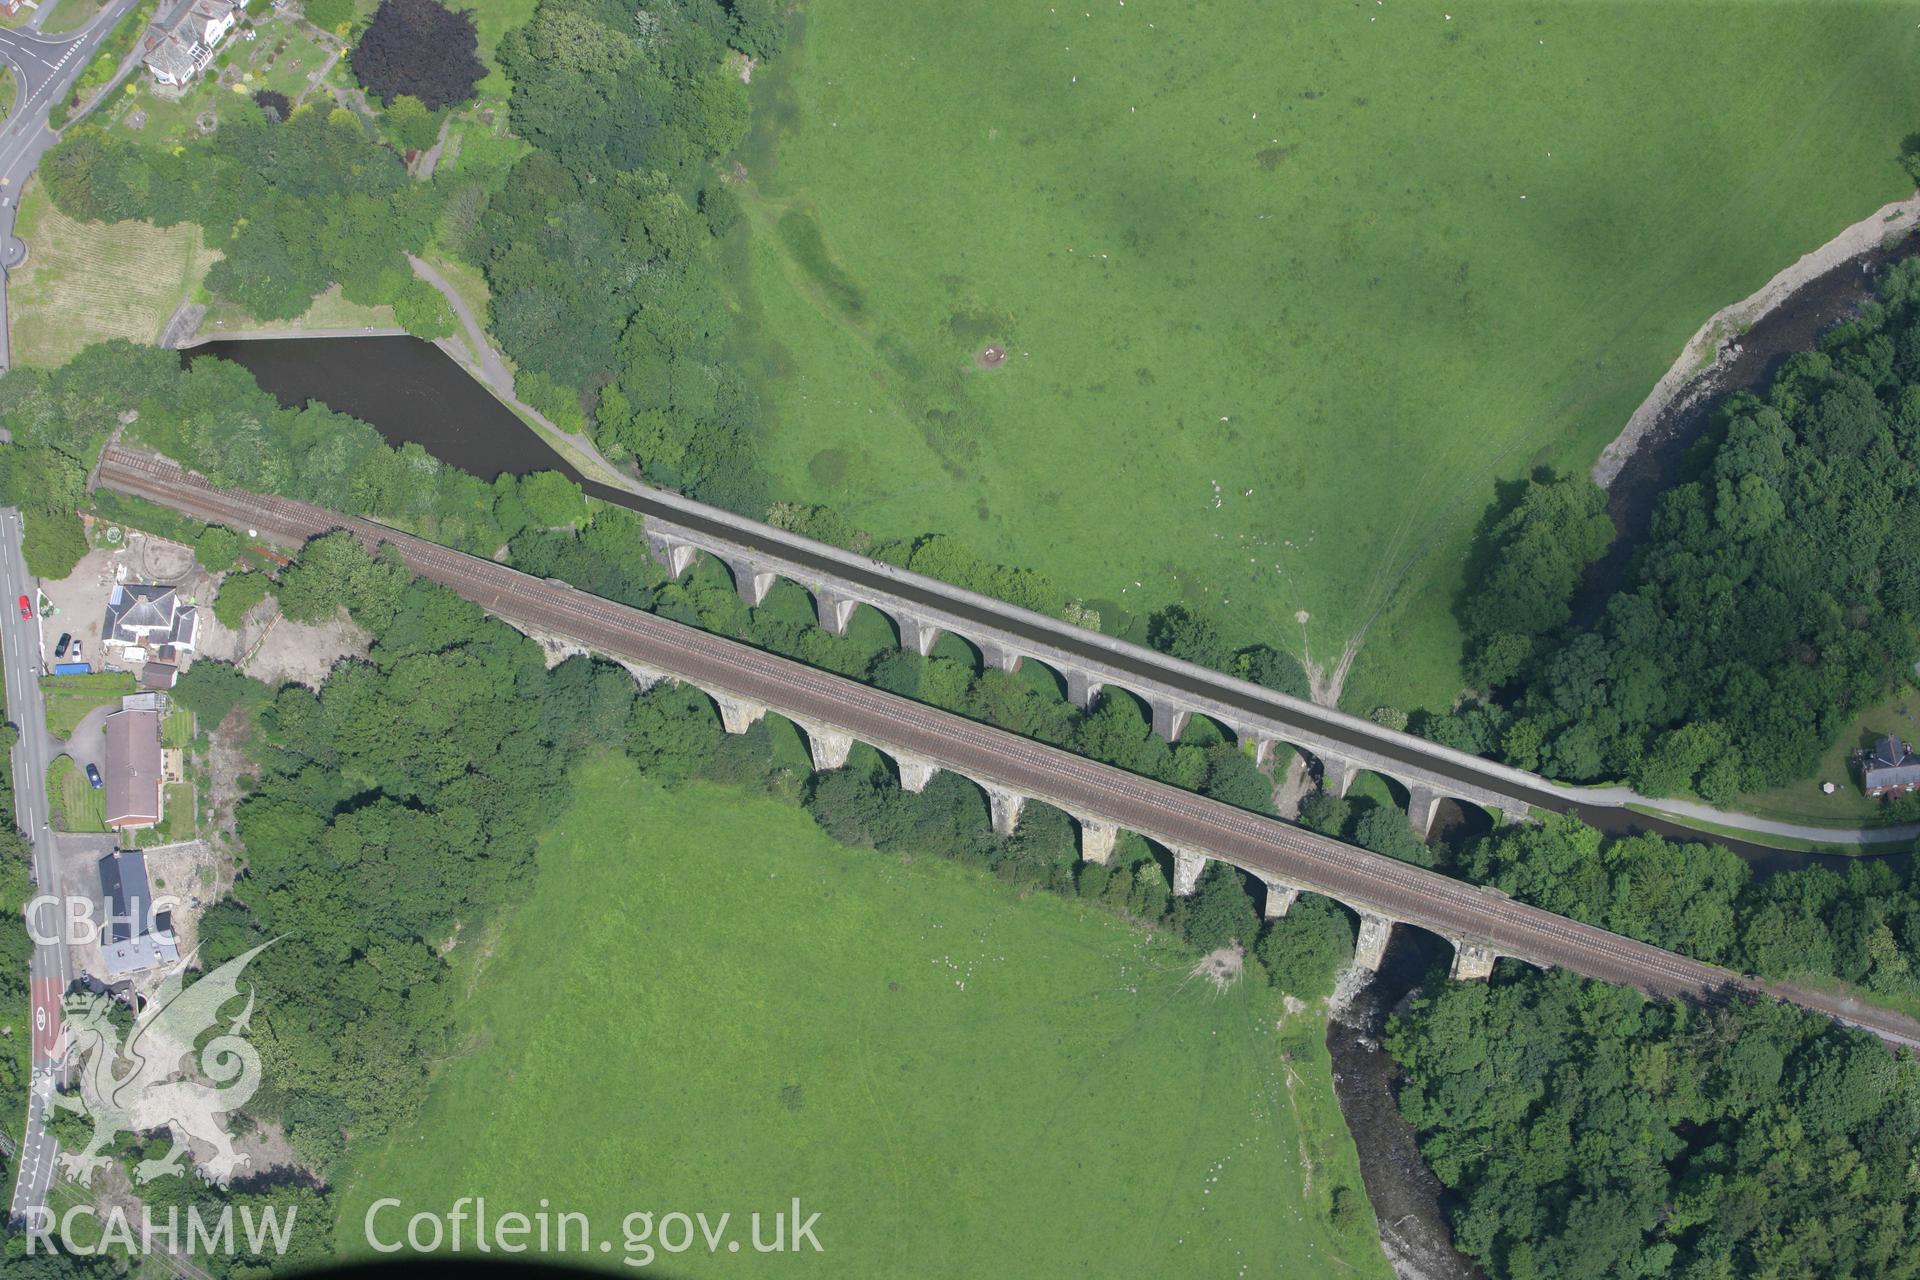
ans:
(922, 609)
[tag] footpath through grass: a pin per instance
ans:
(1285, 289)
(706, 1005)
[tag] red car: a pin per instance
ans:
(26, 608)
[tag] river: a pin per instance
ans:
(1661, 459)
(1407, 1198)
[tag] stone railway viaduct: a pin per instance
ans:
(746, 683)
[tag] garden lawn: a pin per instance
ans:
(176, 729)
(77, 804)
(69, 698)
(707, 1005)
(179, 820)
(1285, 289)
(1803, 801)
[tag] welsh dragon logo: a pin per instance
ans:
(142, 1085)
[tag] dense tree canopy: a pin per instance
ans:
(1777, 594)
(394, 806)
(57, 422)
(1860, 926)
(598, 264)
(1304, 951)
(293, 207)
(1535, 556)
(1587, 1132)
(215, 419)
(420, 49)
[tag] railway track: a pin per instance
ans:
(1263, 846)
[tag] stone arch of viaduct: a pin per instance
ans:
(830, 747)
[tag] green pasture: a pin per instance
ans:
(706, 1005)
(1284, 289)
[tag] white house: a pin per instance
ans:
(146, 622)
(179, 46)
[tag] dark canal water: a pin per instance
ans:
(408, 389)
(411, 391)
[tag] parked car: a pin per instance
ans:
(93, 776)
(26, 607)
(60, 645)
(76, 650)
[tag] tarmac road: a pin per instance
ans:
(51, 965)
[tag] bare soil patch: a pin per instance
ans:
(1222, 966)
(990, 358)
(193, 872)
(227, 763)
(295, 651)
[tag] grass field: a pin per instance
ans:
(84, 282)
(1285, 290)
(68, 15)
(329, 311)
(492, 20)
(706, 1005)
(88, 281)
(69, 698)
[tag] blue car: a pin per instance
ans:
(93, 776)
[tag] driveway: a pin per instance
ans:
(88, 745)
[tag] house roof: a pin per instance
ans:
(171, 44)
(138, 953)
(129, 894)
(170, 56)
(158, 675)
(1891, 763)
(143, 613)
(133, 767)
